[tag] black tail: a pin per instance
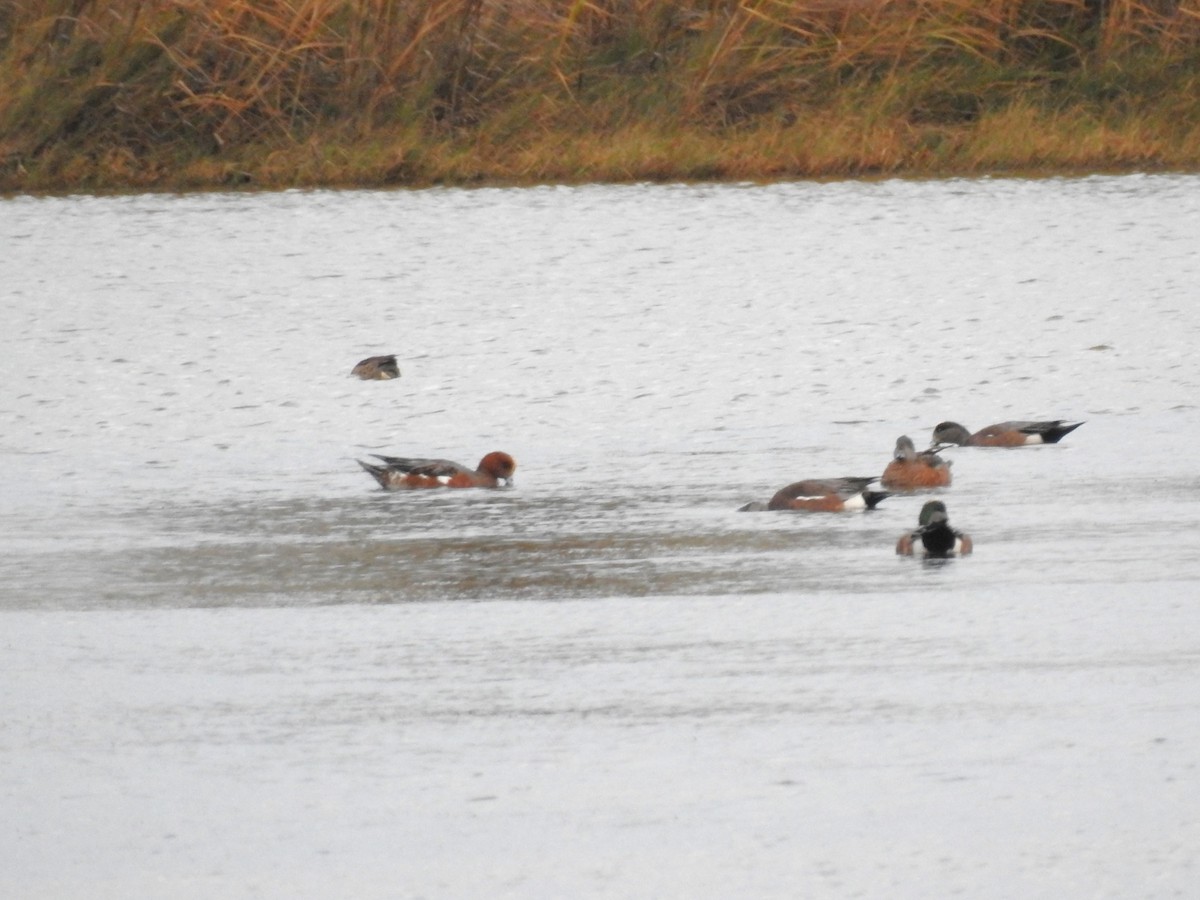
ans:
(379, 473)
(874, 498)
(1058, 431)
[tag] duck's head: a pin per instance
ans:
(933, 513)
(499, 465)
(905, 449)
(950, 433)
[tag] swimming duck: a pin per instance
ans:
(823, 495)
(377, 368)
(406, 473)
(1004, 434)
(910, 470)
(934, 534)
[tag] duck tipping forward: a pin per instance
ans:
(823, 495)
(1004, 434)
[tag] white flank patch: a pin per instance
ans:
(858, 501)
(443, 479)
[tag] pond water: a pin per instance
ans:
(234, 666)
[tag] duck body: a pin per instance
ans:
(934, 536)
(412, 473)
(1004, 434)
(910, 470)
(823, 495)
(377, 368)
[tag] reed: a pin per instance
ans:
(98, 94)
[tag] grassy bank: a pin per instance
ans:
(174, 94)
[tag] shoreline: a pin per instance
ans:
(1065, 173)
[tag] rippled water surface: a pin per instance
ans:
(235, 667)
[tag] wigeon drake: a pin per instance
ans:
(910, 470)
(823, 495)
(377, 368)
(407, 473)
(1004, 434)
(935, 535)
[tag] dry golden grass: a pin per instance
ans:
(194, 93)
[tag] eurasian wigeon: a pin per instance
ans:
(405, 473)
(377, 368)
(822, 495)
(1004, 434)
(934, 534)
(910, 470)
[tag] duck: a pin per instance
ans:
(377, 368)
(935, 535)
(910, 470)
(823, 495)
(1004, 434)
(398, 473)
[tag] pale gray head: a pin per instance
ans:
(905, 449)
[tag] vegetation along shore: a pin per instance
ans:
(186, 94)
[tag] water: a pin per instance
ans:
(236, 667)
